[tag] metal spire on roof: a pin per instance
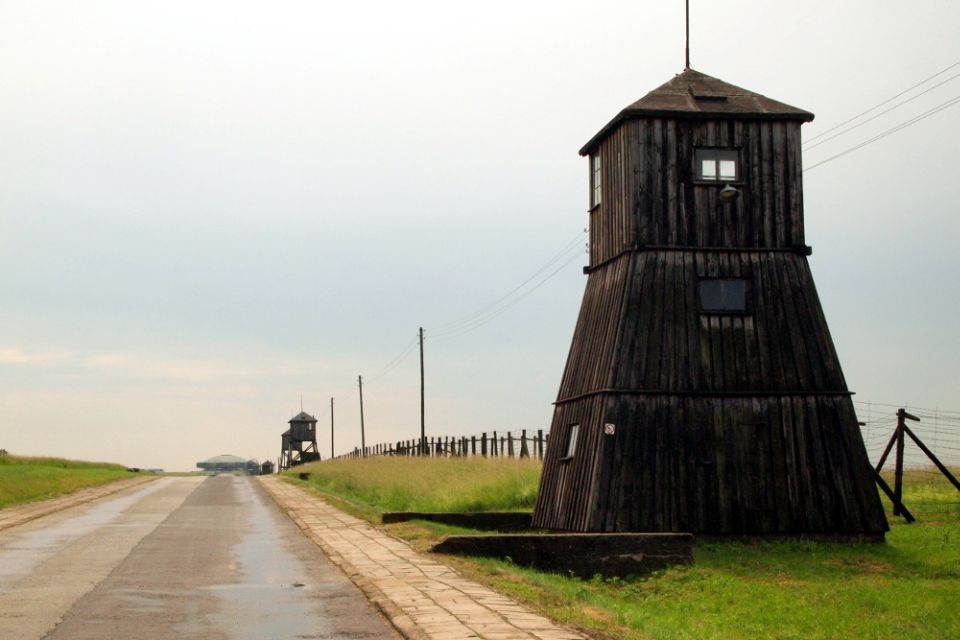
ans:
(688, 37)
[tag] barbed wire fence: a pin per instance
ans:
(925, 446)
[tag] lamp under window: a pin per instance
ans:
(728, 194)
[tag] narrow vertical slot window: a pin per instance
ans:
(571, 447)
(594, 180)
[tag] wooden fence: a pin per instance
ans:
(493, 445)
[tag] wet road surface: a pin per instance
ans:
(183, 558)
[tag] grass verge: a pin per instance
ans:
(795, 589)
(384, 484)
(24, 479)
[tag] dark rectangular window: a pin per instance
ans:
(721, 295)
(720, 165)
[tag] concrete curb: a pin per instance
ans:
(16, 515)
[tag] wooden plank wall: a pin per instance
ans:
(613, 222)
(725, 423)
(649, 195)
(713, 465)
(595, 336)
(737, 465)
(567, 495)
(781, 344)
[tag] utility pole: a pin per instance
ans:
(363, 441)
(423, 431)
(331, 428)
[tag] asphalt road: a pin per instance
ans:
(178, 558)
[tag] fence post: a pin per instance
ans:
(898, 477)
(483, 444)
(509, 444)
(524, 450)
(493, 444)
(540, 444)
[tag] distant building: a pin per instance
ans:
(225, 463)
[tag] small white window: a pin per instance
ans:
(572, 441)
(717, 164)
(594, 180)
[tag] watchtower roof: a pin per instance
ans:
(692, 94)
(303, 416)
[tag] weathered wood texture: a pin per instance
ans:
(725, 465)
(649, 195)
(641, 328)
(723, 423)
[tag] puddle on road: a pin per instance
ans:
(273, 596)
(22, 551)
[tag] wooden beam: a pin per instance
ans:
(893, 498)
(933, 458)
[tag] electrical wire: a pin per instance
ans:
(887, 101)
(481, 316)
(480, 321)
(403, 355)
(470, 317)
(807, 146)
(903, 125)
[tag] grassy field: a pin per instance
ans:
(28, 479)
(443, 484)
(907, 587)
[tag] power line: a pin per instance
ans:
(906, 405)
(479, 322)
(807, 146)
(481, 316)
(887, 101)
(903, 125)
(403, 355)
(470, 317)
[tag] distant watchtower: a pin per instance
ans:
(299, 442)
(702, 391)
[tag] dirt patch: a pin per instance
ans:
(863, 565)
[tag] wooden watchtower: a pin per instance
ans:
(298, 444)
(702, 391)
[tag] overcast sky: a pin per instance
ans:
(208, 209)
